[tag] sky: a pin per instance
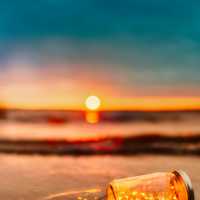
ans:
(131, 53)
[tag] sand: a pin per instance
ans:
(34, 177)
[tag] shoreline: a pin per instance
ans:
(143, 144)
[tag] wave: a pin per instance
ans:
(61, 117)
(142, 144)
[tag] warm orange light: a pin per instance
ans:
(92, 102)
(92, 117)
(165, 186)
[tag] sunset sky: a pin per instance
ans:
(133, 54)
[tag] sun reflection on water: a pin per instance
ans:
(92, 117)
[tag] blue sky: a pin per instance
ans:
(140, 47)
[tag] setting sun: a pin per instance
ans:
(92, 102)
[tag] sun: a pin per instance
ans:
(92, 102)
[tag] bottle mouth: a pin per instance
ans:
(184, 178)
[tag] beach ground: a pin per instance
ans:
(35, 177)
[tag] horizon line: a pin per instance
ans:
(115, 104)
(99, 110)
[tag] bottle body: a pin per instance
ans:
(158, 186)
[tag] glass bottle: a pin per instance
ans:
(174, 185)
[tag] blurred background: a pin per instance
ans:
(96, 84)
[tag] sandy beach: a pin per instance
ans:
(35, 177)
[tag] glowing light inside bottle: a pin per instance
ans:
(158, 186)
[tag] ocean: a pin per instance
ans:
(111, 132)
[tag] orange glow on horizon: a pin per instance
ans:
(143, 103)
